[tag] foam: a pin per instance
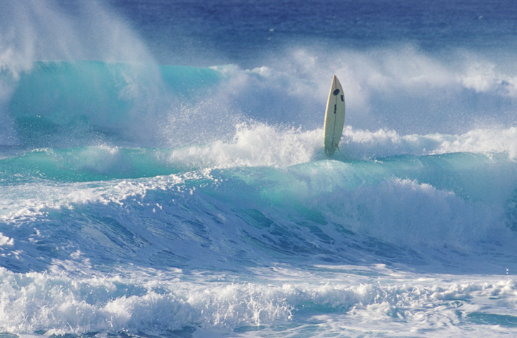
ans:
(152, 304)
(258, 144)
(398, 88)
(4, 240)
(252, 146)
(385, 142)
(113, 304)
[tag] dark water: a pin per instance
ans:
(246, 32)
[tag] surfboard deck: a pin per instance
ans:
(334, 117)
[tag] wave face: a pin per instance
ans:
(162, 170)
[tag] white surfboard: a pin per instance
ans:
(334, 117)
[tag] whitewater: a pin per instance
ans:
(162, 171)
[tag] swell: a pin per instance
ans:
(394, 209)
(63, 103)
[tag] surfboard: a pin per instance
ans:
(334, 117)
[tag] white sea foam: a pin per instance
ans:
(396, 88)
(365, 143)
(32, 200)
(260, 144)
(4, 240)
(253, 146)
(257, 144)
(149, 304)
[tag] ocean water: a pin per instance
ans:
(162, 171)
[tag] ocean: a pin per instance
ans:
(162, 170)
